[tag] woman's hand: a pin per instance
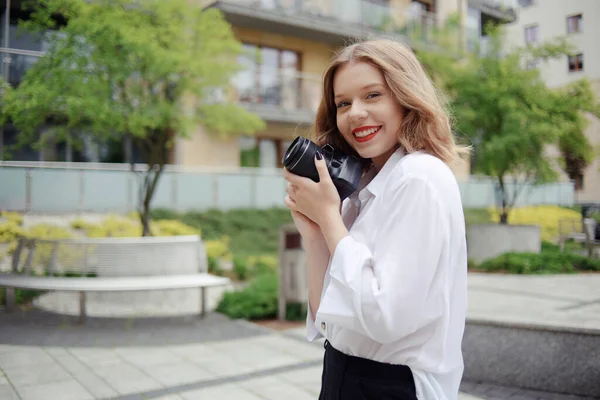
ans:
(316, 201)
(307, 228)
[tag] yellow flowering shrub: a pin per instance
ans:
(218, 249)
(118, 226)
(13, 217)
(547, 217)
(172, 227)
(113, 226)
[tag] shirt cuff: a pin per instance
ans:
(312, 333)
(346, 273)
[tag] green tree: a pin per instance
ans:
(509, 114)
(576, 100)
(147, 71)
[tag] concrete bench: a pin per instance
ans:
(108, 265)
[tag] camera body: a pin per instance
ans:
(345, 170)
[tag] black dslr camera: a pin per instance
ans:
(345, 170)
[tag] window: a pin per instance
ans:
(531, 64)
(532, 34)
(526, 3)
(576, 62)
(268, 76)
(575, 23)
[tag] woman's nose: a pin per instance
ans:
(358, 112)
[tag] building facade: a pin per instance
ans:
(578, 21)
(294, 41)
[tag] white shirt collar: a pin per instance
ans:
(372, 182)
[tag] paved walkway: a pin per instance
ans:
(552, 301)
(48, 356)
(179, 358)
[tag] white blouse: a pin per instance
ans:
(395, 290)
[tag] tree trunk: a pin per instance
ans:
(154, 151)
(503, 211)
(150, 182)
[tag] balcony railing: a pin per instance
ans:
(343, 18)
(502, 9)
(279, 95)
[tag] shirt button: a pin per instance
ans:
(323, 326)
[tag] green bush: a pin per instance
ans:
(549, 262)
(241, 268)
(257, 301)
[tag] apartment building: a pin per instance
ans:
(294, 40)
(578, 20)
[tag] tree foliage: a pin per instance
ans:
(149, 71)
(510, 115)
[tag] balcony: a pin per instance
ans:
(503, 11)
(326, 21)
(284, 96)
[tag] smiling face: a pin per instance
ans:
(368, 116)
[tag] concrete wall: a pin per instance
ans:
(555, 360)
(490, 240)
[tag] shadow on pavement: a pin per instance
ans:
(40, 328)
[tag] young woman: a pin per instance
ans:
(387, 269)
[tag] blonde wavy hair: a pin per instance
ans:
(426, 124)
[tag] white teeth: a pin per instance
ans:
(366, 133)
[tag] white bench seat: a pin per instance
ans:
(109, 284)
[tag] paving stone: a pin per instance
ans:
(20, 357)
(56, 351)
(96, 386)
(8, 393)
(30, 375)
(178, 374)
(308, 379)
(271, 388)
(169, 397)
(229, 391)
(96, 358)
(300, 349)
(148, 357)
(5, 347)
(126, 379)
(67, 390)
(196, 352)
(256, 354)
(223, 366)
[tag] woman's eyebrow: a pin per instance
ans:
(367, 86)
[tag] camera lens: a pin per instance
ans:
(345, 170)
(299, 158)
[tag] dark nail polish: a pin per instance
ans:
(319, 156)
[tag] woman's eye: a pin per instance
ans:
(342, 104)
(373, 95)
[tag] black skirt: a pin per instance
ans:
(352, 378)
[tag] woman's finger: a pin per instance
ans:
(293, 178)
(290, 203)
(292, 189)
